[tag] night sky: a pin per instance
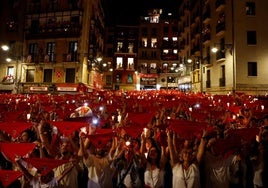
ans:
(128, 11)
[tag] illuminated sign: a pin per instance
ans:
(40, 88)
(66, 88)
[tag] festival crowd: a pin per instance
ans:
(133, 139)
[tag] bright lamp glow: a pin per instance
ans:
(214, 49)
(5, 47)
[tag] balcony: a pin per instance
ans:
(222, 82)
(206, 37)
(220, 55)
(9, 79)
(220, 28)
(219, 5)
(206, 16)
(53, 31)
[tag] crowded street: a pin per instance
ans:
(120, 138)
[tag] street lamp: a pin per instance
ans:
(223, 48)
(5, 47)
(13, 78)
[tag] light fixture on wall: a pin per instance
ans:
(223, 47)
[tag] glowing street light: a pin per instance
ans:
(5, 47)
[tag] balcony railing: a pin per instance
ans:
(220, 55)
(220, 27)
(219, 3)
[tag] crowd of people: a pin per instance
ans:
(133, 139)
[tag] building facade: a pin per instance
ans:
(62, 43)
(236, 29)
(59, 42)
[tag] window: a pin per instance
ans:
(30, 75)
(118, 78)
(154, 42)
(119, 62)
(130, 62)
(154, 54)
(222, 78)
(144, 54)
(47, 75)
(165, 51)
(144, 31)
(208, 82)
(10, 71)
(154, 31)
(32, 51)
(51, 51)
(223, 71)
(250, 8)
(129, 78)
(144, 42)
(70, 75)
(72, 51)
(108, 79)
(12, 23)
(153, 65)
(252, 69)
(130, 47)
(251, 37)
(119, 46)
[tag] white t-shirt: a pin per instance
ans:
(99, 172)
(185, 178)
(153, 178)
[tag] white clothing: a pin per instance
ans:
(99, 172)
(183, 178)
(153, 178)
(35, 183)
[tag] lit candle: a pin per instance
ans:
(127, 143)
(262, 107)
(119, 118)
(146, 154)
(28, 116)
(145, 130)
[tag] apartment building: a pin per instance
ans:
(62, 43)
(236, 29)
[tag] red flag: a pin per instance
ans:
(100, 140)
(187, 129)
(45, 165)
(140, 118)
(14, 129)
(133, 130)
(227, 146)
(11, 150)
(247, 134)
(68, 127)
(9, 176)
